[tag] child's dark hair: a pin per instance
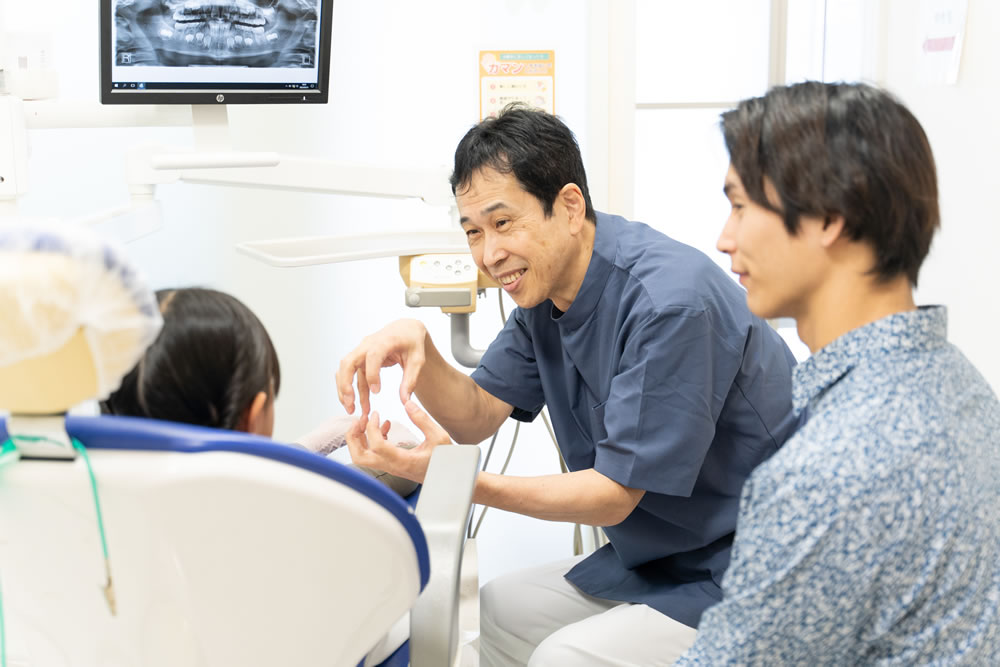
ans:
(211, 359)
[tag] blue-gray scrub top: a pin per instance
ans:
(660, 378)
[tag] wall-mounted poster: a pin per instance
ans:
(516, 76)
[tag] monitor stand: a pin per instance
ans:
(211, 127)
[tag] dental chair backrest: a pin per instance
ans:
(223, 548)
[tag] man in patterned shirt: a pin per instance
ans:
(873, 536)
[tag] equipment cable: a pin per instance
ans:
(472, 533)
(9, 454)
(577, 529)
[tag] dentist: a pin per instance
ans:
(664, 392)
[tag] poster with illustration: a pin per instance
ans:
(516, 76)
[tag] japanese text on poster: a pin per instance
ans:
(516, 76)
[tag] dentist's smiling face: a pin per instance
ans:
(530, 255)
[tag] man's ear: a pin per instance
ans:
(571, 198)
(255, 419)
(833, 230)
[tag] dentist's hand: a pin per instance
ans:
(368, 446)
(401, 343)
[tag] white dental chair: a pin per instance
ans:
(224, 548)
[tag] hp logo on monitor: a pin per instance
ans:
(220, 98)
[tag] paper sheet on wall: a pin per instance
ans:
(516, 76)
(942, 29)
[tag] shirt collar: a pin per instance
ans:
(914, 330)
(601, 262)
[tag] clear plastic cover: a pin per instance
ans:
(58, 281)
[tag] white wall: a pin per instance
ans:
(961, 122)
(404, 86)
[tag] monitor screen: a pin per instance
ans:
(215, 51)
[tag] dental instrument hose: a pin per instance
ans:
(9, 454)
(577, 530)
(486, 462)
(510, 452)
(3, 636)
(472, 533)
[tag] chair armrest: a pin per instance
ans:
(443, 512)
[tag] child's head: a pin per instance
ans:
(213, 364)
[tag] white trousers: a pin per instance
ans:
(535, 617)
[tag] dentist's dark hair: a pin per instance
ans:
(207, 365)
(535, 146)
(841, 149)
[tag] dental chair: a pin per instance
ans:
(129, 541)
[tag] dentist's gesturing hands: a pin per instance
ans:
(449, 396)
(400, 343)
(368, 446)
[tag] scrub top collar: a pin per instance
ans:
(596, 278)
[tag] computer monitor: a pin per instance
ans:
(215, 51)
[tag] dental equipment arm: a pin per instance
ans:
(452, 282)
(151, 166)
(461, 348)
(443, 512)
(213, 162)
(51, 115)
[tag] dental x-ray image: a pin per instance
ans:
(235, 33)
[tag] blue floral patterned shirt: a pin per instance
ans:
(873, 536)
